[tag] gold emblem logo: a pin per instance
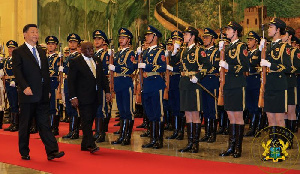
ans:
(97, 32)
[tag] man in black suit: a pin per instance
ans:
(30, 67)
(86, 80)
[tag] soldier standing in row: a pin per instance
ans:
(124, 65)
(236, 64)
(253, 85)
(73, 41)
(11, 89)
(194, 66)
(53, 61)
(175, 43)
(210, 82)
(154, 63)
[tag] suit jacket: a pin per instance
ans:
(28, 74)
(82, 83)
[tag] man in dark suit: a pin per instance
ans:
(30, 67)
(86, 80)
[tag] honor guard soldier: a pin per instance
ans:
(73, 41)
(53, 61)
(194, 66)
(236, 65)
(104, 110)
(291, 120)
(253, 84)
(210, 82)
(222, 114)
(124, 65)
(174, 43)
(154, 63)
(11, 89)
(277, 63)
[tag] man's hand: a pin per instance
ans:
(74, 102)
(49, 94)
(28, 91)
(108, 97)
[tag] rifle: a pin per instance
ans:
(111, 73)
(167, 78)
(261, 101)
(222, 70)
(138, 92)
(60, 75)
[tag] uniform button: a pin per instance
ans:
(279, 76)
(210, 77)
(236, 75)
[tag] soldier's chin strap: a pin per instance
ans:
(152, 39)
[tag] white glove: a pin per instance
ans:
(223, 64)
(139, 50)
(264, 62)
(141, 65)
(59, 54)
(1, 57)
(109, 52)
(194, 79)
(221, 45)
(176, 47)
(61, 69)
(111, 67)
(1, 73)
(12, 84)
(169, 67)
(262, 44)
(167, 53)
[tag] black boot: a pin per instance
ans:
(239, 131)
(128, 132)
(106, 121)
(252, 125)
(118, 124)
(246, 116)
(60, 108)
(176, 128)
(144, 124)
(291, 126)
(227, 123)
(147, 132)
(97, 128)
(11, 123)
(75, 134)
(181, 124)
(231, 141)
(153, 137)
(167, 118)
(123, 127)
(55, 125)
(67, 117)
(207, 124)
(159, 134)
(15, 126)
(188, 147)
(71, 128)
(196, 136)
(213, 130)
(102, 124)
(1, 119)
(260, 123)
(221, 119)
(297, 120)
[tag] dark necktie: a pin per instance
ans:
(35, 56)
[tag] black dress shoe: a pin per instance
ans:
(91, 150)
(25, 157)
(55, 155)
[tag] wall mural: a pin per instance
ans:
(61, 17)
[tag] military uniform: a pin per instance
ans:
(194, 63)
(104, 110)
(71, 111)
(53, 61)
(11, 89)
(153, 86)
(253, 86)
(211, 83)
(174, 93)
(124, 65)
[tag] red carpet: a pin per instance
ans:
(109, 161)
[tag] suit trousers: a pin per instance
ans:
(40, 111)
(87, 114)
